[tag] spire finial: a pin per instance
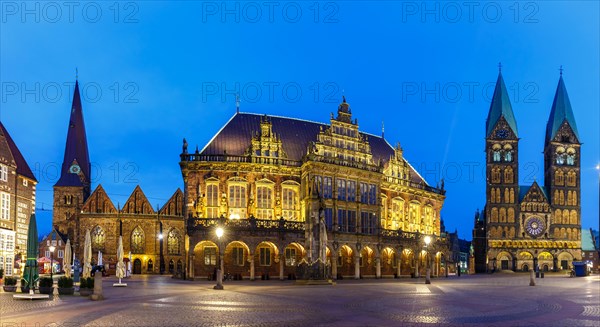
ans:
(382, 129)
(343, 98)
(561, 70)
(76, 73)
(237, 103)
(500, 67)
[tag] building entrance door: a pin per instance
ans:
(504, 264)
(137, 266)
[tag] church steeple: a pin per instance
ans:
(75, 171)
(561, 113)
(500, 108)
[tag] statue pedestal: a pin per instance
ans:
(315, 273)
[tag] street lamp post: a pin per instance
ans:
(428, 271)
(51, 248)
(219, 276)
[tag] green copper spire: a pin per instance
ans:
(500, 107)
(561, 112)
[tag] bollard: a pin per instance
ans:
(97, 296)
(531, 278)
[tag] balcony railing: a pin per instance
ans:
(240, 159)
(249, 224)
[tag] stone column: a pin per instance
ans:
(378, 267)
(281, 263)
(251, 266)
(334, 268)
(417, 266)
(356, 267)
(399, 266)
(191, 268)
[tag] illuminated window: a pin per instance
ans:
(290, 257)
(397, 215)
(98, 239)
(328, 213)
(137, 240)
(264, 202)
(327, 188)
(237, 201)
(4, 206)
(173, 242)
(212, 201)
(289, 203)
(210, 255)
(3, 173)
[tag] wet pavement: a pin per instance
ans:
(480, 300)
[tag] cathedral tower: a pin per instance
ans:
(562, 167)
(501, 149)
(73, 186)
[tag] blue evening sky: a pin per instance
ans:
(154, 72)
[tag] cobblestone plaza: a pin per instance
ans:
(496, 300)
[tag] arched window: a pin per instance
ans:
(137, 240)
(264, 202)
(493, 195)
(508, 175)
(496, 153)
(498, 195)
(511, 215)
(397, 215)
(559, 177)
(570, 156)
(571, 178)
(98, 239)
(173, 242)
(502, 215)
(496, 175)
(289, 203)
(237, 200)
(212, 200)
(494, 215)
(560, 155)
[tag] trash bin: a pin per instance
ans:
(537, 274)
(579, 268)
(542, 275)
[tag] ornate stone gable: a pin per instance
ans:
(99, 202)
(137, 203)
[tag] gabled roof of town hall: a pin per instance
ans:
(500, 107)
(296, 134)
(22, 166)
(561, 112)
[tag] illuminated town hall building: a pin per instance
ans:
(266, 180)
(529, 226)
